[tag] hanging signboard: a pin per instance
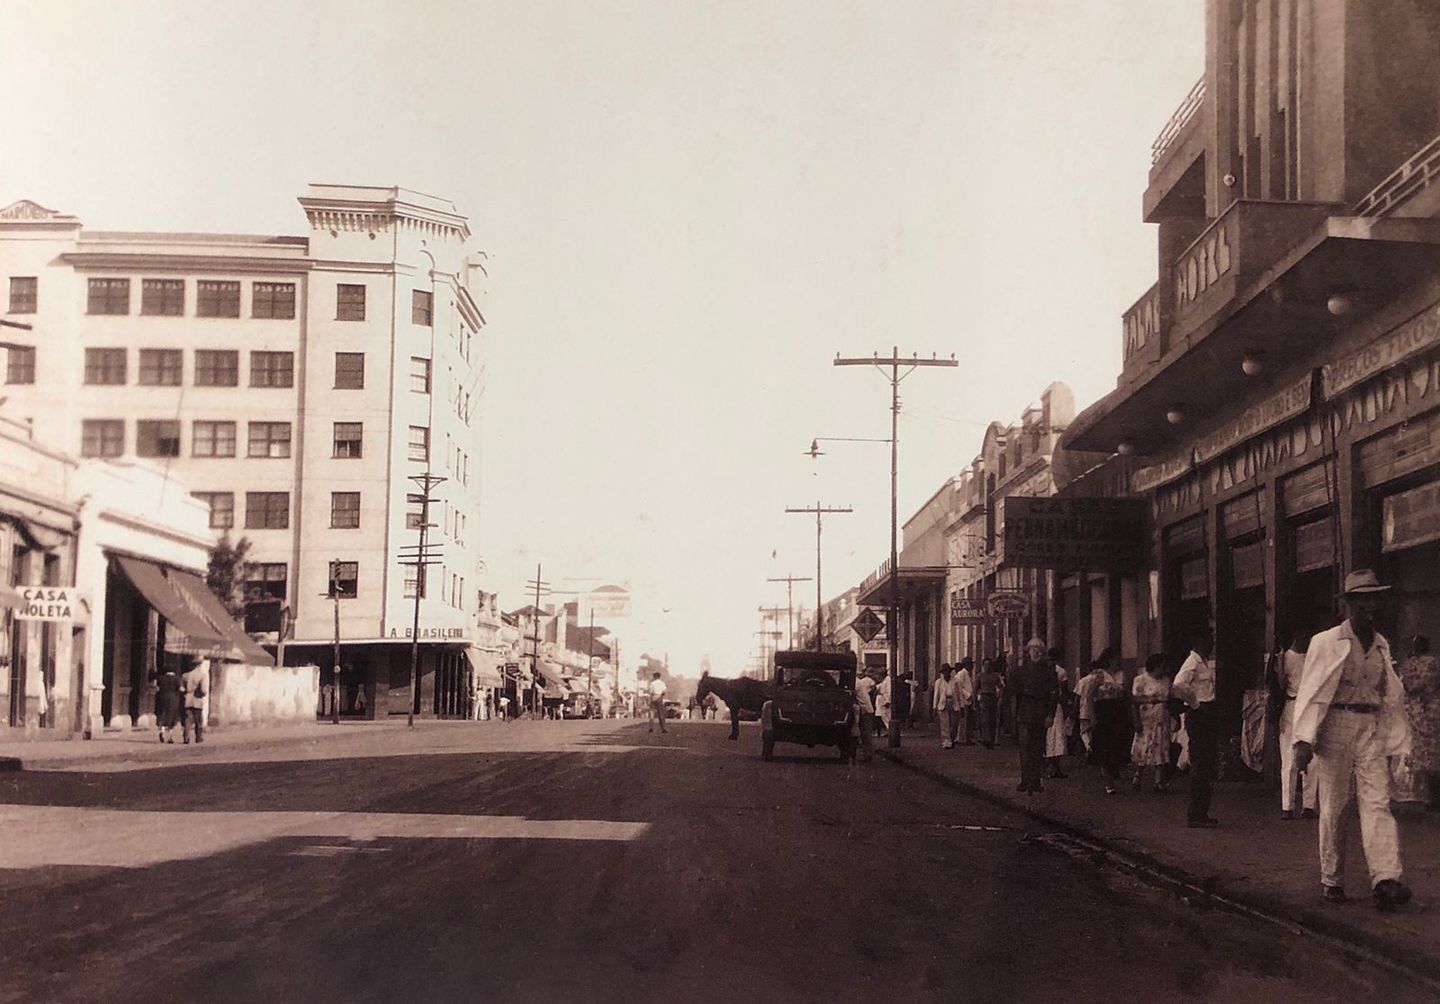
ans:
(1008, 603)
(1315, 545)
(867, 625)
(965, 610)
(46, 603)
(1410, 518)
(1075, 534)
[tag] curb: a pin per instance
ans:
(1206, 892)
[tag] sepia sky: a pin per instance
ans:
(690, 206)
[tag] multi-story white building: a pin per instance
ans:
(299, 385)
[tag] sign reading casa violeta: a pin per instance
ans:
(1074, 534)
(46, 603)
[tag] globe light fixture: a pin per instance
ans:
(1340, 304)
(1253, 364)
(1176, 414)
(1125, 447)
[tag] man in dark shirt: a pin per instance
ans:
(1035, 692)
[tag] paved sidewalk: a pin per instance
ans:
(1254, 858)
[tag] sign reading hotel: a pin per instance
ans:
(1074, 534)
(46, 603)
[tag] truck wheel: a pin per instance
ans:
(767, 746)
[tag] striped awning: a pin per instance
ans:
(484, 666)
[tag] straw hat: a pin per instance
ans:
(1363, 580)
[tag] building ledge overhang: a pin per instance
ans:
(1281, 316)
(909, 582)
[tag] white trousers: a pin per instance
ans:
(1346, 747)
(1290, 777)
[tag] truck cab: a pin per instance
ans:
(813, 702)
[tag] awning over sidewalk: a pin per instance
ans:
(554, 680)
(909, 582)
(198, 623)
(483, 664)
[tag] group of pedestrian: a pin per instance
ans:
(180, 699)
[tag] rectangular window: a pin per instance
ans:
(422, 307)
(24, 290)
(349, 302)
(419, 375)
(105, 366)
(419, 443)
(222, 508)
(266, 581)
(412, 578)
(212, 439)
(272, 369)
(20, 364)
(269, 439)
(345, 510)
(217, 368)
(349, 370)
(273, 300)
(267, 510)
(162, 297)
(217, 298)
(348, 440)
(414, 511)
(344, 579)
(108, 296)
(102, 437)
(161, 367)
(157, 438)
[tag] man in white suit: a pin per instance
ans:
(1350, 717)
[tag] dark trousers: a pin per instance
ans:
(989, 716)
(1202, 725)
(193, 718)
(1032, 750)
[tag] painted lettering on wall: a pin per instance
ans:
(1203, 265)
(1420, 332)
(1141, 324)
(430, 633)
(1291, 401)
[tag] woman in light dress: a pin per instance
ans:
(1151, 748)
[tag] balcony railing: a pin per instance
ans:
(1405, 182)
(1178, 121)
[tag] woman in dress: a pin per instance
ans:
(1110, 739)
(1421, 676)
(1059, 734)
(1151, 718)
(167, 703)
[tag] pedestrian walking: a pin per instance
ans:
(1349, 719)
(1035, 693)
(1110, 733)
(1056, 738)
(1149, 699)
(1420, 674)
(990, 689)
(167, 703)
(946, 702)
(1195, 686)
(655, 691)
(1295, 785)
(906, 708)
(195, 686)
(965, 689)
(1085, 707)
(864, 713)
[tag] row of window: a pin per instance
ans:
(213, 368)
(270, 581)
(105, 437)
(213, 298)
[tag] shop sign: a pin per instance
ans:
(1410, 518)
(1148, 478)
(46, 603)
(1417, 334)
(431, 633)
(867, 625)
(967, 610)
(1281, 407)
(1075, 534)
(1208, 259)
(1007, 603)
(1315, 545)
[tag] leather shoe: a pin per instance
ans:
(1334, 894)
(1389, 894)
(1309, 814)
(1203, 824)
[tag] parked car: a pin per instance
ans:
(672, 710)
(814, 702)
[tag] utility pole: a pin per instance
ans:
(590, 671)
(769, 614)
(790, 581)
(535, 641)
(423, 557)
(892, 629)
(820, 511)
(335, 679)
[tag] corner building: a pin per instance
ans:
(296, 384)
(1278, 407)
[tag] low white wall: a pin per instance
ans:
(255, 695)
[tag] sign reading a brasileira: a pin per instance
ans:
(1075, 534)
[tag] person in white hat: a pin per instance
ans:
(1350, 718)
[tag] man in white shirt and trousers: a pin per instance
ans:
(1195, 685)
(1349, 720)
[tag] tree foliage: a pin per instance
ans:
(227, 572)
